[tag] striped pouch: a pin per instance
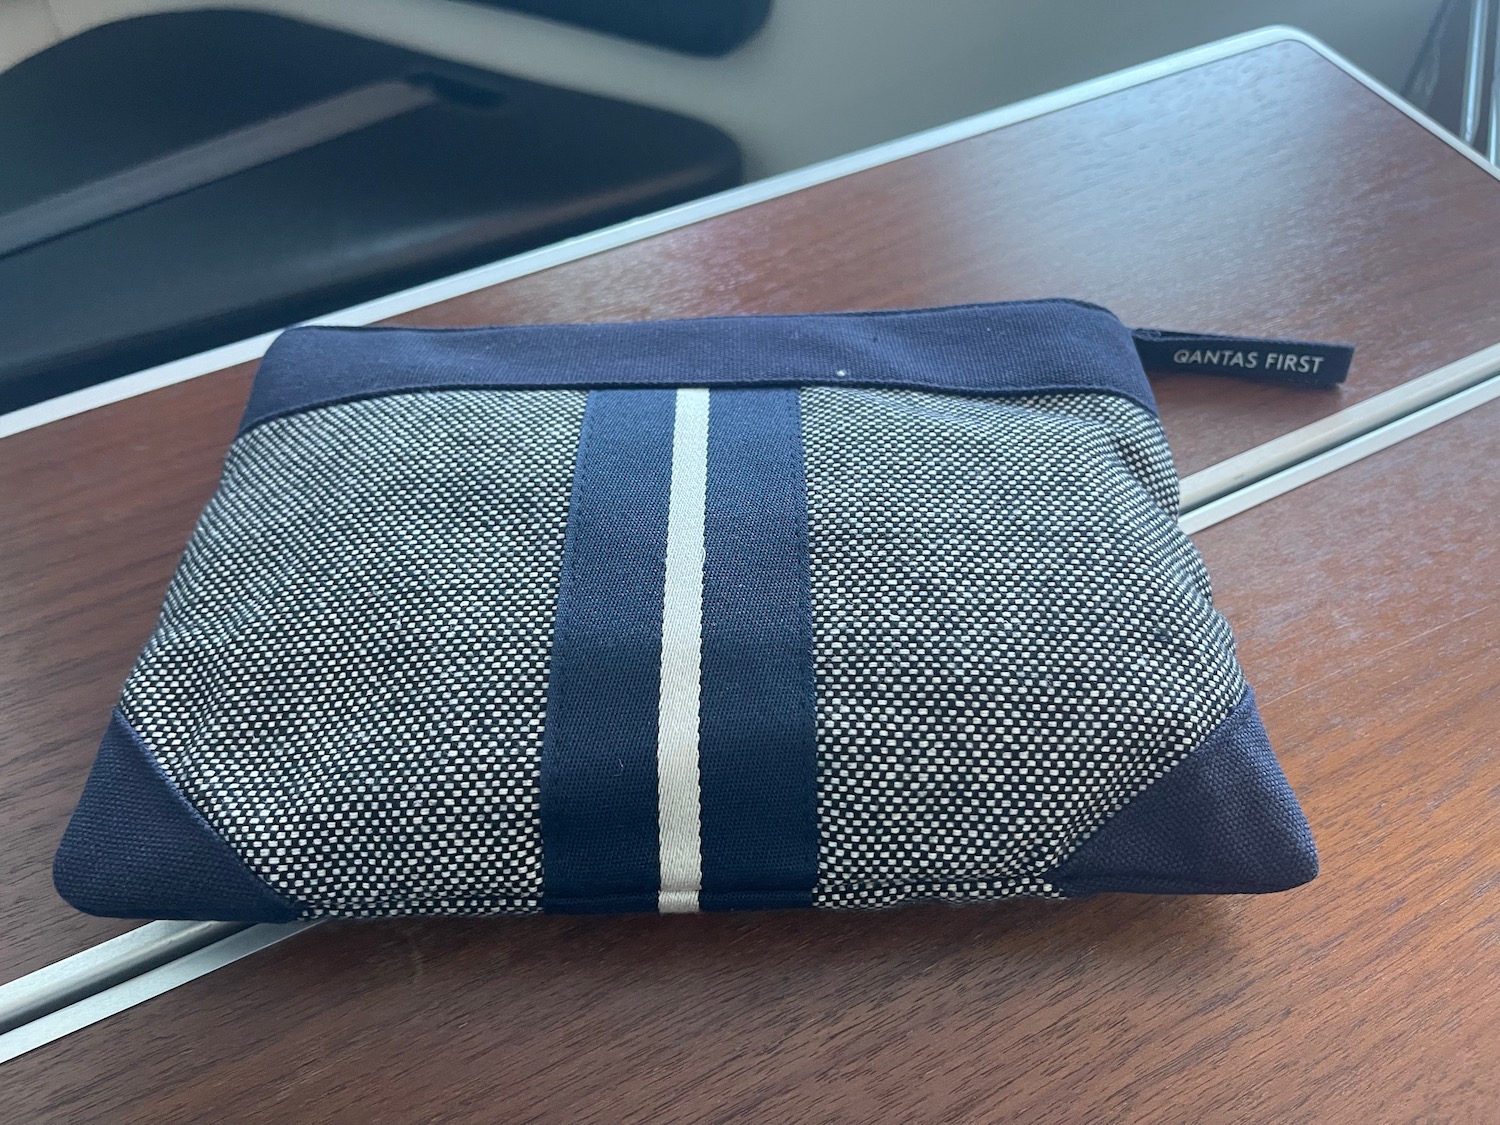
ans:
(842, 611)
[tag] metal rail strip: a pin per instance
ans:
(1275, 484)
(1492, 141)
(1234, 473)
(1478, 44)
(145, 986)
(105, 965)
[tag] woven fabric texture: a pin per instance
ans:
(1012, 637)
(349, 677)
(1011, 640)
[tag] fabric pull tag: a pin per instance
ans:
(1298, 362)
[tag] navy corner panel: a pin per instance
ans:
(1222, 821)
(136, 848)
(1014, 348)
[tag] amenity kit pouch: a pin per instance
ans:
(845, 610)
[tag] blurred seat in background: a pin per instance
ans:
(177, 181)
(695, 27)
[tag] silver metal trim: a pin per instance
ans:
(1473, 90)
(64, 982)
(148, 985)
(191, 367)
(1277, 484)
(1244, 468)
(1492, 143)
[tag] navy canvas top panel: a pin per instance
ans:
(1014, 348)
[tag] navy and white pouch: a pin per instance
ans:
(846, 611)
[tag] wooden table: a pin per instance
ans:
(1265, 192)
(1366, 996)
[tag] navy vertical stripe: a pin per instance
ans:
(757, 758)
(598, 772)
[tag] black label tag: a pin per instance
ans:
(1279, 361)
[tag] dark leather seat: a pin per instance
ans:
(696, 27)
(484, 167)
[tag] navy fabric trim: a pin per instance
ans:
(757, 732)
(1222, 821)
(1015, 348)
(136, 848)
(598, 770)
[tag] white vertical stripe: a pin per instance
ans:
(678, 795)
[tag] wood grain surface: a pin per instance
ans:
(1367, 996)
(1265, 193)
